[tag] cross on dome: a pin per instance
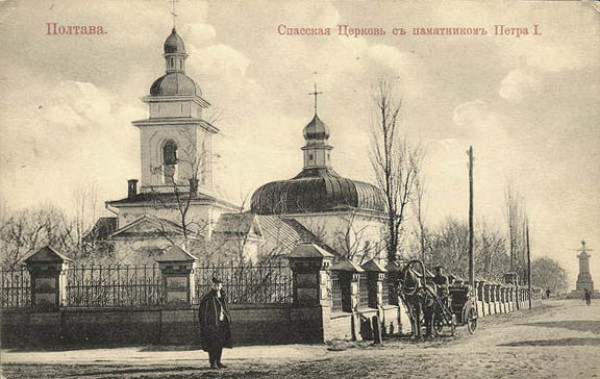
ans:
(173, 13)
(315, 93)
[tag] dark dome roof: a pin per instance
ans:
(174, 43)
(174, 84)
(316, 190)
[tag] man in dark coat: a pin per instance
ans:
(215, 320)
(442, 283)
(587, 295)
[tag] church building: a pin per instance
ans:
(176, 202)
(176, 199)
(346, 215)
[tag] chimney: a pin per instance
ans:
(131, 188)
(193, 187)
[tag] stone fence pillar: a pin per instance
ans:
(48, 270)
(310, 266)
(375, 279)
(349, 276)
(487, 290)
(178, 270)
(480, 291)
(311, 313)
(510, 297)
(503, 299)
(492, 297)
(497, 297)
(512, 279)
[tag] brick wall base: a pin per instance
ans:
(251, 324)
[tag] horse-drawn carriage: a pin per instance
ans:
(432, 311)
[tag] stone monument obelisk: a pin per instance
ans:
(584, 279)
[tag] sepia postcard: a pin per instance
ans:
(290, 189)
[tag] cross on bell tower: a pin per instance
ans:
(315, 93)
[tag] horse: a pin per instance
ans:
(418, 296)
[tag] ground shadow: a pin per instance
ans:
(560, 342)
(25, 349)
(171, 348)
(81, 371)
(578, 325)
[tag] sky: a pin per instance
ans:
(528, 105)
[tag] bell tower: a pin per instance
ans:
(316, 135)
(176, 142)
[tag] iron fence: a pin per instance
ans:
(263, 283)
(108, 286)
(15, 288)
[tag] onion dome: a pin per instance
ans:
(316, 130)
(175, 84)
(174, 43)
(316, 190)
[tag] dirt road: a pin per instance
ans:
(559, 340)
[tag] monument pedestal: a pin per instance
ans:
(584, 278)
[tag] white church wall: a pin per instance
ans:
(194, 155)
(350, 233)
(204, 145)
(143, 251)
(182, 108)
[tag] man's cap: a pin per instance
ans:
(439, 267)
(216, 280)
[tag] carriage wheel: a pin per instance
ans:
(472, 321)
(438, 324)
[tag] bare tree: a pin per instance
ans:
(195, 162)
(419, 211)
(352, 240)
(516, 216)
(29, 230)
(490, 253)
(396, 164)
(450, 245)
(85, 202)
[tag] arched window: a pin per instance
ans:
(170, 153)
(170, 161)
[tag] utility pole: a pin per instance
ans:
(528, 261)
(471, 237)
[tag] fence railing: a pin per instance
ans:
(123, 285)
(15, 288)
(108, 286)
(265, 283)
